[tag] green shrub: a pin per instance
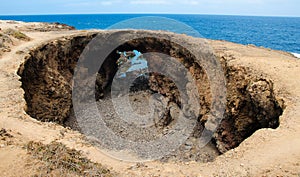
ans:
(17, 34)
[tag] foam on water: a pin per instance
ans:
(296, 55)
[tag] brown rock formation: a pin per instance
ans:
(47, 75)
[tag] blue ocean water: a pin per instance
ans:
(280, 33)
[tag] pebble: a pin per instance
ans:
(187, 148)
(189, 143)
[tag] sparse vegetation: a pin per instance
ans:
(4, 134)
(67, 162)
(4, 40)
(17, 34)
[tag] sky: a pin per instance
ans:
(218, 7)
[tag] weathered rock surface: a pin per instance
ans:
(251, 105)
(47, 75)
(47, 78)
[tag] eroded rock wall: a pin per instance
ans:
(46, 78)
(47, 75)
(251, 105)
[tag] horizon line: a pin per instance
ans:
(148, 13)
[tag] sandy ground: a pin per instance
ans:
(267, 152)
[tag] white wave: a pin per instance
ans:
(296, 55)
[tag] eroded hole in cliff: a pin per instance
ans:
(47, 74)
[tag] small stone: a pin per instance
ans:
(189, 143)
(19, 52)
(268, 171)
(187, 148)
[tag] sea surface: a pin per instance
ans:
(280, 33)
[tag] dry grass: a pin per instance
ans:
(59, 160)
(17, 34)
(4, 40)
(4, 134)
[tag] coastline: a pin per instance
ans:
(297, 55)
(260, 31)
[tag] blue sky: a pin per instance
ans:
(227, 7)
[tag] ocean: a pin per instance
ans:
(279, 33)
